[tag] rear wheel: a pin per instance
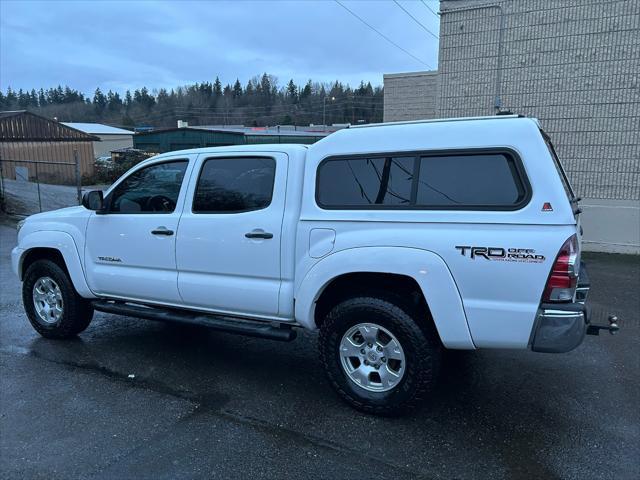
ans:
(377, 355)
(54, 308)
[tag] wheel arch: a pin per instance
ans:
(41, 253)
(56, 246)
(403, 267)
(348, 285)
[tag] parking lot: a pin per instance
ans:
(137, 399)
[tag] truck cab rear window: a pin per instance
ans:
(467, 181)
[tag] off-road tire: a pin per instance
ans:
(417, 336)
(76, 313)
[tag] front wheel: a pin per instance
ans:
(377, 355)
(54, 308)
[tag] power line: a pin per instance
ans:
(383, 35)
(214, 113)
(431, 9)
(303, 104)
(416, 20)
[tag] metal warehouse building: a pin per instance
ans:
(573, 65)
(180, 138)
(111, 138)
(33, 147)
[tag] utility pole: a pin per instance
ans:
(353, 109)
(226, 111)
(324, 108)
(76, 160)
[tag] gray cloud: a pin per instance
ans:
(119, 45)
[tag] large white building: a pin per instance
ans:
(111, 138)
(573, 65)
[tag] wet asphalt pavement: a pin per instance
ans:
(204, 404)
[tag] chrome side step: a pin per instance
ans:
(251, 328)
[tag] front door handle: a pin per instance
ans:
(162, 231)
(258, 234)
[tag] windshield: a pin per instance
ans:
(556, 161)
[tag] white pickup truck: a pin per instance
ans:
(394, 241)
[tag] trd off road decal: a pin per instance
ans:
(523, 255)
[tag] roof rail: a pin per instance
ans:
(438, 120)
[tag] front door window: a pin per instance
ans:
(153, 189)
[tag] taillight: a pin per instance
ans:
(561, 285)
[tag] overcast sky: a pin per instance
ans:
(123, 45)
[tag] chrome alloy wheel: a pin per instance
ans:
(47, 300)
(372, 357)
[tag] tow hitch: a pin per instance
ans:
(594, 329)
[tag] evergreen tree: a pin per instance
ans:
(23, 100)
(237, 89)
(114, 101)
(306, 91)
(265, 90)
(217, 88)
(99, 101)
(33, 98)
(292, 92)
(260, 102)
(42, 99)
(249, 90)
(11, 98)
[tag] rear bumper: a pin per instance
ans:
(561, 327)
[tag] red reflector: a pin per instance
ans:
(560, 281)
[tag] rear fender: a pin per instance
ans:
(427, 268)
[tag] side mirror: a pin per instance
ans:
(93, 200)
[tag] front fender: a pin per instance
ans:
(427, 268)
(64, 243)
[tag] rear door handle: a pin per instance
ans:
(162, 231)
(258, 234)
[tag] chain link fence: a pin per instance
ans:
(30, 186)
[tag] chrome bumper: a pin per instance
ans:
(559, 328)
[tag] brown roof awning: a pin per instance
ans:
(21, 125)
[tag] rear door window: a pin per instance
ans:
(233, 185)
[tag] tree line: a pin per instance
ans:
(261, 102)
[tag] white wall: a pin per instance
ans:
(611, 225)
(111, 142)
